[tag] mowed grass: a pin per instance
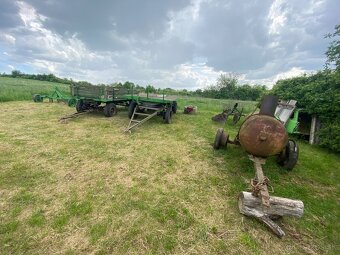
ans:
(17, 89)
(85, 186)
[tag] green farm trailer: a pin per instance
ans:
(92, 97)
(145, 106)
(141, 107)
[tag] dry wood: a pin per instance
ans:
(252, 206)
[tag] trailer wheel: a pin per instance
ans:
(80, 106)
(168, 115)
(37, 98)
(218, 138)
(174, 107)
(110, 109)
(131, 109)
(289, 156)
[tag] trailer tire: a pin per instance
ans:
(110, 109)
(131, 109)
(168, 115)
(289, 156)
(219, 137)
(174, 107)
(37, 98)
(80, 106)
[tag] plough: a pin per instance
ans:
(223, 117)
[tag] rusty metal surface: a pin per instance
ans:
(268, 105)
(262, 135)
(260, 183)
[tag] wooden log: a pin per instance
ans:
(250, 205)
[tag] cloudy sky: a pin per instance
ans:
(177, 43)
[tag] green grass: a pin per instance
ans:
(17, 89)
(87, 187)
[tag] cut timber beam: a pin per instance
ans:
(250, 205)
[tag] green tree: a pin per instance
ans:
(151, 89)
(16, 73)
(227, 84)
(333, 51)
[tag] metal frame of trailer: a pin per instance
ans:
(91, 97)
(143, 107)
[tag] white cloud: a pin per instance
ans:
(269, 81)
(201, 74)
(277, 16)
(7, 38)
(187, 45)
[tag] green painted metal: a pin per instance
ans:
(293, 123)
(101, 94)
(58, 95)
(143, 99)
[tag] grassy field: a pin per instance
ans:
(87, 187)
(16, 89)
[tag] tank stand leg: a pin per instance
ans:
(260, 183)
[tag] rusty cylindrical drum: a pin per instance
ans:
(263, 135)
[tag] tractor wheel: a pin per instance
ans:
(168, 115)
(221, 138)
(236, 118)
(80, 106)
(289, 156)
(37, 98)
(131, 109)
(110, 109)
(174, 107)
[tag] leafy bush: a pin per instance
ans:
(318, 94)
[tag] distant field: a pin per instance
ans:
(17, 89)
(85, 187)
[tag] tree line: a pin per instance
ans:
(226, 87)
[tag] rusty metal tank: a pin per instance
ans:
(262, 135)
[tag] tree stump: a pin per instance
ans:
(250, 205)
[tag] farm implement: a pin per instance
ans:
(262, 135)
(141, 107)
(92, 97)
(56, 95)
(148, 106)
(234, 112)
